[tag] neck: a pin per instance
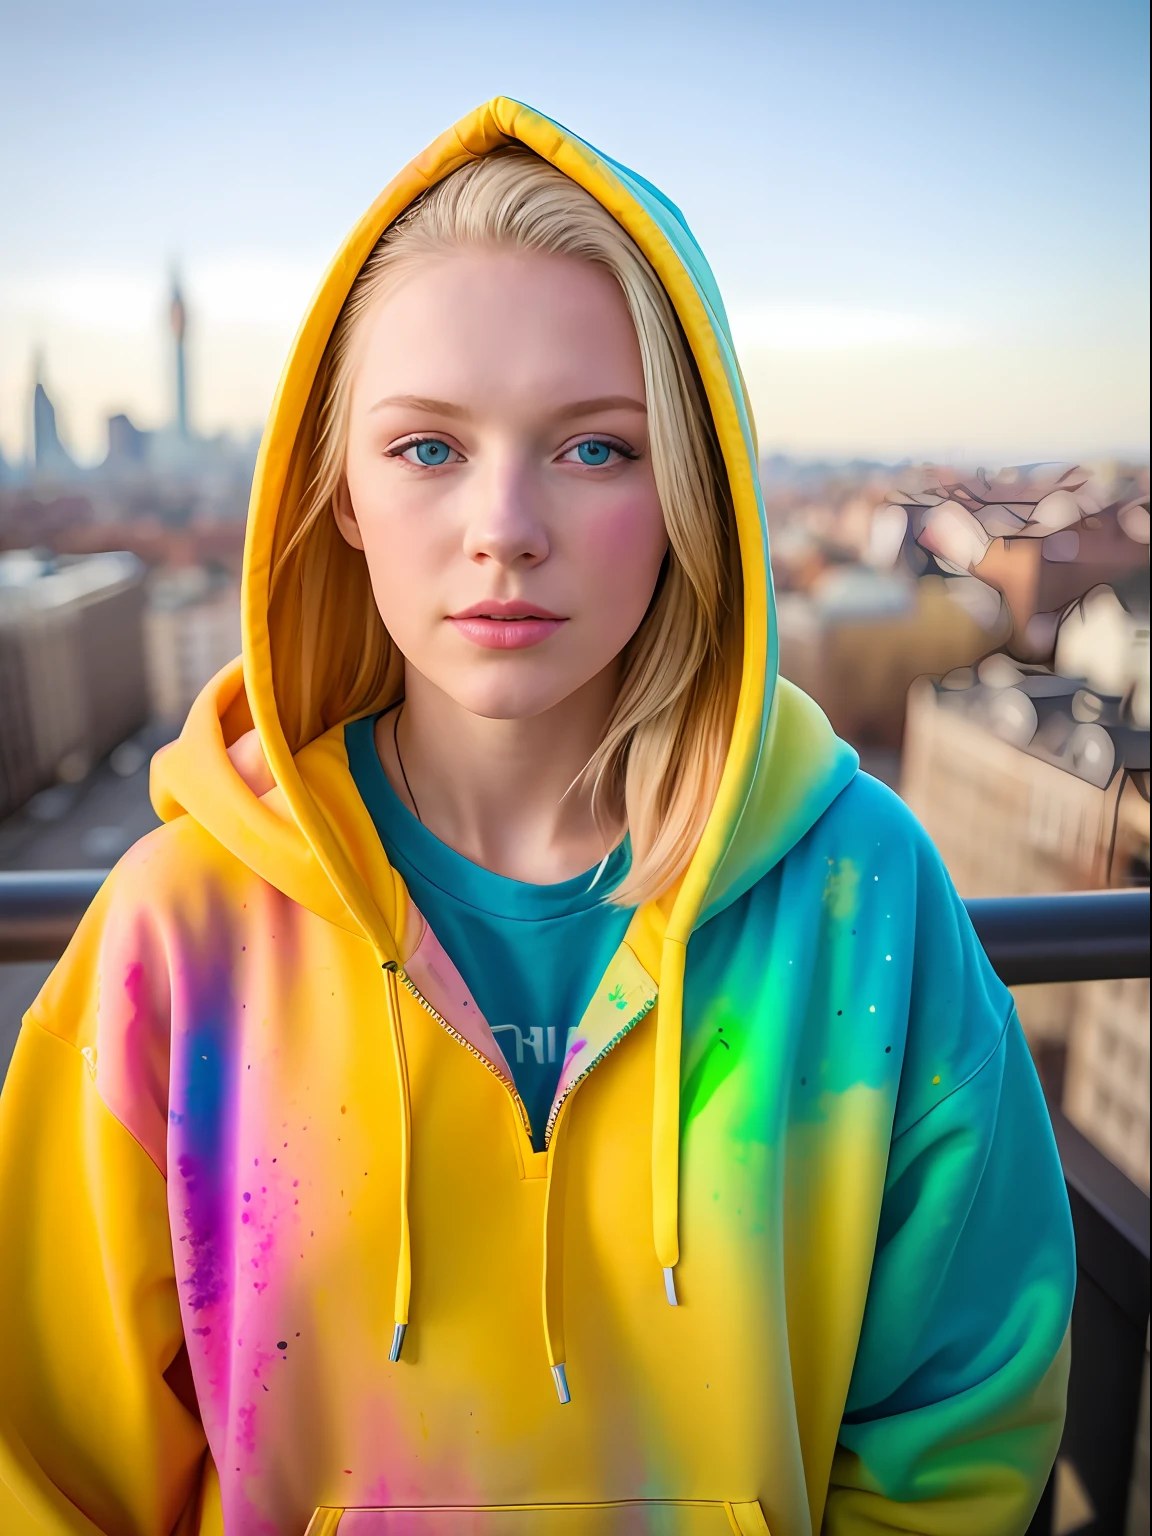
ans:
(501, 792)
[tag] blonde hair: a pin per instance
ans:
(666, 740)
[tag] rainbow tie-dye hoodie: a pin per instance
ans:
(278, 1254)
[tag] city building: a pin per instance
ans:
(141, 461)
(1029, 782)
(50, 457)
(858, 637)
(1041, 577)
(1106, 1077)
(127, 445)
(178, 317)
(1105, 640)
(72, 679)
(192, 629)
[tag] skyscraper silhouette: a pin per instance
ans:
(178, 319)
(48, 452)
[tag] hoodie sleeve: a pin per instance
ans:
(956, 1405)
(98, 1424)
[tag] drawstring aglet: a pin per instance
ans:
(670, 1286)
(398, 1333)
(560, 1377)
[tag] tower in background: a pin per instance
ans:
(48, 452)
(178, 319)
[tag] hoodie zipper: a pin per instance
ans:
(592, 1065)
(410, 986)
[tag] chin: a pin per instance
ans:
(512, 699)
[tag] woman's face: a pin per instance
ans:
(499, 477)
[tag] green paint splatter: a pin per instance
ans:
(841, 885)
(719, 1057)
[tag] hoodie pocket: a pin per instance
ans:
(623, 1517)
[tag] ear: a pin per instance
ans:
(343, 512)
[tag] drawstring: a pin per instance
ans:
(404, 1255)
(665, 1169)
(666, 1115)
(553, 1262)
(553, 1255)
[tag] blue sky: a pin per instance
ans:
(929, 220)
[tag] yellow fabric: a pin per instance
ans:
(91, 1283)
(693, 1518)
(96, 1335)
(730, 1403)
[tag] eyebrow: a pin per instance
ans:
(604, 403)
(577, 408)
(420, 403)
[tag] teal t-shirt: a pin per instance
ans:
(531, 955)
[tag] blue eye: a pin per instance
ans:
(594, 453)
(430, 452)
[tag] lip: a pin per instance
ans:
(511, 608)
(506, 626)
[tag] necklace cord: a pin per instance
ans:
(400, 760)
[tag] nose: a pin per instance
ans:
(504, 524)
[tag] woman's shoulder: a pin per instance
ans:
(958, 1009)
(868, 833)
(868, 842)
(866, 894)
(174, 883)
(109, 995)
(169, 865)
(868, 814)
(865, 833)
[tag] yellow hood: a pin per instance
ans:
(784, 766)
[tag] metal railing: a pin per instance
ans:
(1078, 936)
(1089, 936)
(39, 910)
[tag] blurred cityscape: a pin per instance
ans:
(981, 637)
(119, 584)
(119, 599)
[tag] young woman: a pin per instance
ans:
(533, 1082)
